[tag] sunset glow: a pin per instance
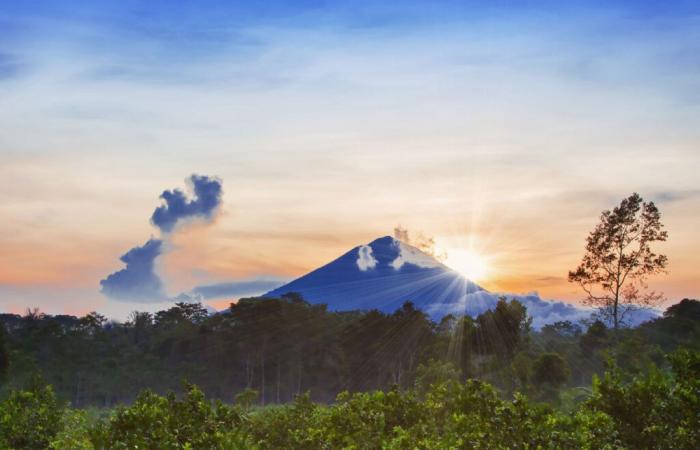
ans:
(469, 263)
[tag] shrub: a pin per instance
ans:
(30, 418)
(655, 410)
(157, 422)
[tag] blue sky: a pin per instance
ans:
(507, 126)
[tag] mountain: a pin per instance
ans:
(382, 275)
(386, 273)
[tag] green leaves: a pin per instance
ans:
(30, 418)
(658, 410)
(157, 422)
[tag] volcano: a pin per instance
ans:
(383, 275)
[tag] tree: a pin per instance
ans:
(246, 398)
(434, 373)
(595, 337)
(502, 330)
(4, 354)
(619, 259)
(550, 368)
(685, 309)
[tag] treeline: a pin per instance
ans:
(284, 347)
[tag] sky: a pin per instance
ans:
(500, 129)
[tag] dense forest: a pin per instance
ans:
(282, 373)
(283, 347)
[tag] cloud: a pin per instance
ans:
(207, 198)
(424, 243)
(401, 234)
(674, 196)
(137, 281)
(365, 258)
(543, 312)
(234, 288)
(411, 255)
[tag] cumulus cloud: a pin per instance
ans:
(176, 206)
(138, 281)
(365, 258)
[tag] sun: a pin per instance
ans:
(468, 262)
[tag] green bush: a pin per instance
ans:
(654, 410)
(75, 432)
(157, 422)
(657, 410)
(31, 418)
(299, 425)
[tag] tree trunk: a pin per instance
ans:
(262, 379)
(249, 373)
(77, 392)
(278, 381)
(299, 377)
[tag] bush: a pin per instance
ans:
(75, 432)
(30, 418)
(157, 422)
(657, 410)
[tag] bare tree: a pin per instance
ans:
(619, 259)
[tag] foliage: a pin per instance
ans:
(30, 418)
(655, 411)
(284, 347)
(401, 381)
(550, 368)
(619, 259)
(435, 373)
(4, 356)
(246, 398)
(74, 433)
(449, 414)
(155, 422)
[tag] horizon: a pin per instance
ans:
(500, 132)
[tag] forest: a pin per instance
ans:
(283, 373)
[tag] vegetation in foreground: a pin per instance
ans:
(445, 414)
(520, 389)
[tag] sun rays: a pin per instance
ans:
(474, 266)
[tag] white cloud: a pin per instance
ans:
(411, 255)
(365, 258)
